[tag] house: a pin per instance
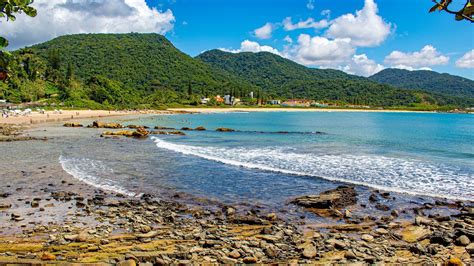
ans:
(274, 102)
(297, 103)
(231, 100)
(219, 99)
(205, 100)
(321, 105)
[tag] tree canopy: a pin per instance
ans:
(465, 13)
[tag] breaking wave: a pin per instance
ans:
(391, 174)
(94, 173)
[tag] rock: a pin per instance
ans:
(381, 231)
(48, 256)
(453, 261)
(420, 220)
(367, 238)
(235, 254)
(338, 198)
(309, 252)
(200, 129)
(373, 197)
(250, 260)
(82, 236)
(97, 124)
(34, 204)
(413, 234)
(72, 124)
(463, 240)
(223, 129)
(470, 248)
(70, 237)
(347, 214)
(150, 234)
(230, 211)
(136, 126)
(5, 206)
(350, 255)
(382, 207)
(126, 263)
(165, 128)
(441, 238)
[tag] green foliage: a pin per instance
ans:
(426, 80)
(465, 13)
(110, 71)
(9, 9)
(282, 78)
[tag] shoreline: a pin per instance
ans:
(54, 218)
(284, 109)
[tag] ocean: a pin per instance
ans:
(275, 156)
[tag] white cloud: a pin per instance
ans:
(320, 51)
(60, 17)
(249, 46)
(264, 32)
(310, 4)
(306, 24)
(288, 39)
(427, 56)
(363, 66)
(409, 68)
(365, 29)
(466, 61)
(326, 13)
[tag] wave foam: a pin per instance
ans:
(391, 174)
(92, 172)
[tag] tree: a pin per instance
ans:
(466, 13)
(8, 9)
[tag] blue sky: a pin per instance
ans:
(357, 36)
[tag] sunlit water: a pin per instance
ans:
(413, 153)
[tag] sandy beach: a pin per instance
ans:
(285, 109)
(67, 115)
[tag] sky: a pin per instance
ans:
(359, 37)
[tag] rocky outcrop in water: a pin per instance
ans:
(224, 129)
(72, 124)
(338, 198)
(97, 124)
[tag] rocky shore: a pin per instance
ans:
(111, 228)
(61, 220)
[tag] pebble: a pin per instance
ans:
(310, 252)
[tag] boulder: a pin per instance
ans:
(310, 252)
(223, 129)
(5, 206)
(72, 124)
(338, 198)
(413, 234)
(186, 128)
(200, 128)
(463, 240)
(164, 128)
(97, 124)
(177, 132)
(470, 248)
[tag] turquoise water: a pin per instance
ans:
(413, 153)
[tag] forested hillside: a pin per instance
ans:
(147, 71)
(279, 77)
(426, 80)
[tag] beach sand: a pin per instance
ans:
(67, 115)
(283, 109)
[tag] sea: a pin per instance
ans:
(272, 157)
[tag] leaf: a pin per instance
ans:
(433, 9)
(3, 42)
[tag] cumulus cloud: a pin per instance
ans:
(60, 17)
(310, 4)
(306, 24)
(427, 56)
(466, 61)
(264, 32)
(363, 66)
(320, 51)
(365, 29)
(255, 47)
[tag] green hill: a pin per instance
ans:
(426, 80)
(147, 71)
(280, 77)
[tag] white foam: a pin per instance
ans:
(92, 172)
(391, 174)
